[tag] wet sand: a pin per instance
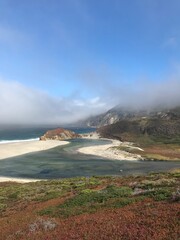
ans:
(8, 150)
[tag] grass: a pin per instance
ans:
(158, 187)
(161, 194)
(90, 200)
(92, 208)
(42, 191)
(160, 148)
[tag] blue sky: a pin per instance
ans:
(87, 55)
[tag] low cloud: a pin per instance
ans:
(139, 94)
(22, 105)
(149, 95)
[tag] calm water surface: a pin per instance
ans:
(64, 161)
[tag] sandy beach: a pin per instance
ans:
(18, 180)
(8, 150)
(108, 150)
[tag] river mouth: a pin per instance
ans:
(65, 162)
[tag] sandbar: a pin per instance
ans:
(109, 150)
(14, 149)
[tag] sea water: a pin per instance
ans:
(20, 133)
(65, 161)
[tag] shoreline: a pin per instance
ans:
(8, 150)
(14, 149)
(19, 180)
(110, 150)
(118, 150)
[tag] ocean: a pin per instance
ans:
(18, 134)
(65, 161)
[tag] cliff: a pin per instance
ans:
(118, 114)
(59, 134)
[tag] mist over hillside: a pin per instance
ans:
(21, 104)
(121, 113)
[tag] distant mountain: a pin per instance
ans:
(118, 113)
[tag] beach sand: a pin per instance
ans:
(8, 150)
(108, 150)
(18, 180)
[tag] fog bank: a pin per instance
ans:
(20, 104)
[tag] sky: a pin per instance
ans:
(61, 61)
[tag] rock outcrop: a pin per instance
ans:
(59, 134)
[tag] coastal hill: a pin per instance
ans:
(156, 130)
(157, 133)
(152, 127)
(59, 134)
(119, 113)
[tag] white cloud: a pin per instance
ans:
(143, 93)
(79, 103)
(23, 105)
(20, 104)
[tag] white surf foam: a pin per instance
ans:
(18, 140)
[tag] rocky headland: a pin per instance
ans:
(59, 134)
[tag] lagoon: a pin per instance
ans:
(64, 162)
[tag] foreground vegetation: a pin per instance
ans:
(134, 207)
